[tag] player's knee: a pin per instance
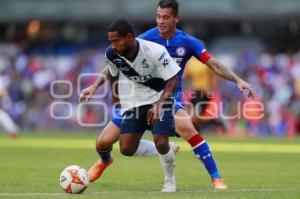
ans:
(186, 132)
(103, 143)
(185, 129)
(127, 151)
(161, 145)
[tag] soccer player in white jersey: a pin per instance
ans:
(147, 81)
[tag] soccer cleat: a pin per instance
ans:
(97, 169)
(218, 184)
(169, 186)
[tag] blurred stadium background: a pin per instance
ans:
(42, 41)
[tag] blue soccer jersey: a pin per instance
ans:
(181, 47)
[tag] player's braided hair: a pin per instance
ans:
(173, 4)
(122, 26)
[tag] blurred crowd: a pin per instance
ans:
(36, 99)
(33, 81)
(276, 81)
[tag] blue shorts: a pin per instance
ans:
(134, 121)
(179, 105)
(117, 115)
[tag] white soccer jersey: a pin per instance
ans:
(142, 81)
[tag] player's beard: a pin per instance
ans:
(125, 51)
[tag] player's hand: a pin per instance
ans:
(242, 85)
(87, 93)
(153, 113)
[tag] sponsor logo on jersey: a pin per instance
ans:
(140, 78)
(177, 60)
(180, 51)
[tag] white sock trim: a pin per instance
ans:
(199, 144)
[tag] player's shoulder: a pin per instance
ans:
(150, 34)
(152, 50)
(185, 37)
(150, 46)
(109, 50)
(110, 53)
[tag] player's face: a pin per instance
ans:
(119, 43)
(165, 20)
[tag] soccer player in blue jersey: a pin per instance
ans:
(181, 46)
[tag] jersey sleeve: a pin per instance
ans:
(112, 68)
(146, 35)
(143, 36)
(199, 51)
(166, 66)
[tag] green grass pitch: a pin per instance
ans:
(253, 168)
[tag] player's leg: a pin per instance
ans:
(111, 133)
(186, 130)
(167, 160)
(147, 148)
(104, 142)
(132, 129)
(8, 124)
(161, 130)
(129, 142)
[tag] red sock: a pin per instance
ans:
(195, 140)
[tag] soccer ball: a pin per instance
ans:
(74, 179)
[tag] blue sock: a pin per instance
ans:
(104, 155)
(202, 151)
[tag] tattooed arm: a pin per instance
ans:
(221, 70)
(88, 92)
(228, 74)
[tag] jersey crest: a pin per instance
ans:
(180, 51)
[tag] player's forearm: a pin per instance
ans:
(222, 70)
(170, 87)
(102, 78)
